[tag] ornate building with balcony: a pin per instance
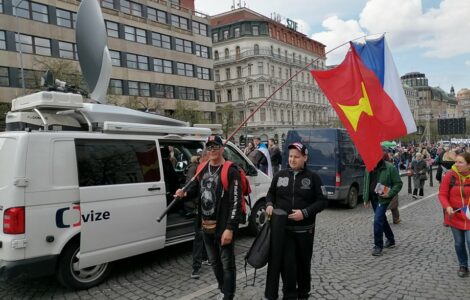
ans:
(463, 98)
(253, 56)
(432, 102)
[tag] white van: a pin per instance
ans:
(82, 185)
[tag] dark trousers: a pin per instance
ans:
(296, 264)
(222, 259)
(381, 225)
(199, 250)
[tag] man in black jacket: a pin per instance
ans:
(220, 213)
(298, 191)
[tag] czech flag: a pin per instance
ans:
(368, 97)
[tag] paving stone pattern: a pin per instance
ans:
(422, 266)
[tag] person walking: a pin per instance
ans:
(220, 215)
(299, 192)
(381, 185)
(276, 157)
(419, 169)
(454, 195)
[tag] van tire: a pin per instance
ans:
(76, 279)
(257, 217)
(351, 200)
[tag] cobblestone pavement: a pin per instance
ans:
(422, 266)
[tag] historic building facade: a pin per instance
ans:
(463, 98)
(161, 50)
(253, 56)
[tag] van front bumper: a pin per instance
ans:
(33, 267)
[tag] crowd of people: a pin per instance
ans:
(298, 192)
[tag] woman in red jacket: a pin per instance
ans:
(454, 195)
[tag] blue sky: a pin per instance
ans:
(428, 36)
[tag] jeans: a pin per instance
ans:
(222, 259)
(459, 243)
(199, 250)
(381, 225)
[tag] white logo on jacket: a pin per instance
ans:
(283, 181)
(305, 184)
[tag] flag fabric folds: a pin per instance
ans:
(367, 98)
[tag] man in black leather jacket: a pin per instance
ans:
(299, 192)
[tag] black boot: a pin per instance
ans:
(415, 193)
(421, 192)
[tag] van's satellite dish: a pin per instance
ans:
(93, 53)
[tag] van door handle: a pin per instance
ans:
(154, 188)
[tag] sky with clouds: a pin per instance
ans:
(428, 36)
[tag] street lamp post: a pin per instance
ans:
(15, 8)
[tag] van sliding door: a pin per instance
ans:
(121, 195)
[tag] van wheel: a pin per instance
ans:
(70, 276)
(258, 217)
(351, 200)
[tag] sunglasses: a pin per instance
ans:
(213, 147)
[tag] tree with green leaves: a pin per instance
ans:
(185, 112)
(225, 117)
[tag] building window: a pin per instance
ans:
(107, 3)
(144, 89)
(183, 46)
(229, 95)
(184, 69)
(26, 43)
(218, 97)
(237, 52)
(115, 87)
(217, 75)
(199, 28)
(215, 37)
(186, 93)
(255, 30)
(65, 18)
(67, 50)
(129, 33)
(131, 60)
(162, 66)
(141, 35)
(260, 67)
(22, 10)
(1, 6)
(112, 29)
(225, 34)
(240, 93)
(216, 55)
(133, 88)
(227, 73)
(261, 90)
(256, 49)
(161, 40)
(239, 72)
(203, 73)
(4, 78)
(202, 51)
(164, 91)
(143, 62)
(132, 8)
(250, 91)
(179, 22)
(3, 42)
(39, 12)
(115, 58)
(249, 69)
(236, 32)
(135, 34)
(262, 114)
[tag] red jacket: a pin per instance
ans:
(452, 197)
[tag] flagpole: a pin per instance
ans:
(287, 81)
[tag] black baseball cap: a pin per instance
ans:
(214, 139)
(298, 146)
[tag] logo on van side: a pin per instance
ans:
(91, 216)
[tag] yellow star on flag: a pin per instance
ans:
(353, 112)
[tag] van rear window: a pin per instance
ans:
(107, 162)
(7, 160)
(321, 154)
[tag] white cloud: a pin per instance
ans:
(338, 32)
(467, 62)
(441, 32)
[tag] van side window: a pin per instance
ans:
(107, 162)
(235, 157)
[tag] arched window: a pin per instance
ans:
(226, 53)
(256, 49)
(216, 55)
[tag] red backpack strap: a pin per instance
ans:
(200, 167)
(224, 174)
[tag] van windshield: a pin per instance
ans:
(7, 160)
(321, 154)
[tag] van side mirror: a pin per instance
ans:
(251, 171)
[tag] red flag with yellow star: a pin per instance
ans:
(362, 105)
